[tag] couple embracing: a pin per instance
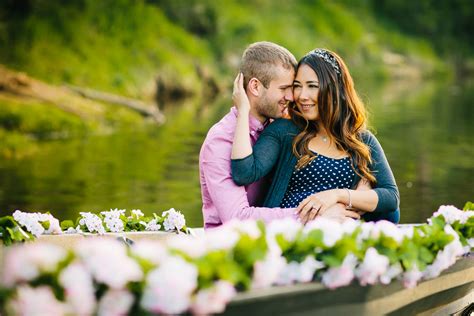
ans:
(295, 144)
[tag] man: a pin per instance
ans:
(268, 70)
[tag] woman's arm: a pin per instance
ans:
(241, 147)
(250, 164)
(383, 198)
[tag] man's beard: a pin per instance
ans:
(269, 109)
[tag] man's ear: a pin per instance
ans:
(253, 87)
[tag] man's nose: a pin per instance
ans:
(289, 96)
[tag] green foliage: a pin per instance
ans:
(469, 206)
(447, 24)
(39, 120)
(11, 232)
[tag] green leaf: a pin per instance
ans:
(66, 224)
(469, 206)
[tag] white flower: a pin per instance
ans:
(248, 227)
(152, 225)
(340, 276)
(332, 230)
(115, 303)
(113, 213)
(112, 220)
(193, 247)
(373, 266)
(137, 214)
(26, 262)
(108, 262)
(221, 238)
(411, 277)
(267, 271)
(152, 251)
(71, 230)
(288, 227)
(78, 288)
(114, 224)
(470, 242)
(92, 222)
(31, 221)
(388, 229)
(213, 300)
(169, 287)
(299, 272)
(392, 271)
(35, 301)
(452, 214)
(173, 220)
(348, 227)
(307, 269)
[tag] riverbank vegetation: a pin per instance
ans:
(160, 51)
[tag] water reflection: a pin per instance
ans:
(425, 129)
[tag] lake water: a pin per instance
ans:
(426, 130)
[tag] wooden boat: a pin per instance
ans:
(450, 293)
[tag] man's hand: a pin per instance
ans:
(339, 213)
(239, 97)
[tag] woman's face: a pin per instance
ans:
(305, 91)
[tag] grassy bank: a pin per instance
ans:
(129, 47)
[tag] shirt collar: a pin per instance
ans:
(254, 124)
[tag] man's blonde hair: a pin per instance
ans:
(260, 59)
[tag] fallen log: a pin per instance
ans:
(132, 104)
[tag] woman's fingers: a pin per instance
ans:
(302, 204)
(238, 86)
(304, 212)
(313, 214)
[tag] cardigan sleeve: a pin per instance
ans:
(386, 187)
(264, 155)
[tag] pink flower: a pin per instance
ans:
(213, 300)
(169, 287)
(27, 262)
(115, 303)
(78, 288)
(373, 266)
(37, 301)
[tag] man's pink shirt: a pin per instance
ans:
(222, 199)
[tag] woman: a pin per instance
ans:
(320, 155)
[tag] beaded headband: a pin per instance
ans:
(324, 54)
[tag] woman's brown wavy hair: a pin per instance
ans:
(340, 111)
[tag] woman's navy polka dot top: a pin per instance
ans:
(321, 174)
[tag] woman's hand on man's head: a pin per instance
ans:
(239, 97)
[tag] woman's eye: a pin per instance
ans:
(313, 86)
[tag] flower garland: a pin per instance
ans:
(202, 274)
(24, 226)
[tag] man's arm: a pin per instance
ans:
(229, 199)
